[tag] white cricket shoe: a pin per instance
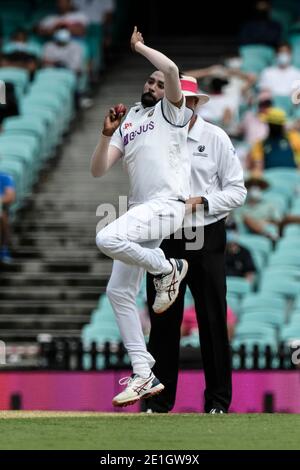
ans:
(137, 388)
(167, 286)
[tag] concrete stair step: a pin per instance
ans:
(31, 335)
(58, 279)
(55, 322)
(49, 293)
(45, 307)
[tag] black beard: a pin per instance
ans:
(148, 100)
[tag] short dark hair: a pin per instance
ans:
(284, 44)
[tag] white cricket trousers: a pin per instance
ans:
(133, 242)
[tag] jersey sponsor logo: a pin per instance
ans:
(142, 129)
(127, 125)
(201, 148)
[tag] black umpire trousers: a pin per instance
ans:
(207, 282)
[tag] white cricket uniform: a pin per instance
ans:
(153, 142)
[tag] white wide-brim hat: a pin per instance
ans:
(189, 87)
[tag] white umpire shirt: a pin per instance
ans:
(216, 173)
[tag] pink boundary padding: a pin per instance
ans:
(93, 391)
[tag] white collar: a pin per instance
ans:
(196, 131)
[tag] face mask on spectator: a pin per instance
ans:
(254, 194)
(62, 36)
(283, 58)
(234, 63)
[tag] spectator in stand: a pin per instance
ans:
(220, 109)
(252, 127)
(100, 12)
(258, 215)
(261, 29)
(64, 52)
(7, 197)
(280, 79)
(67, 17)
(190, 326)
(239, 261)
(280, 148)
(19, 52)
(239, 82)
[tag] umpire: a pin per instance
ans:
(218, 187)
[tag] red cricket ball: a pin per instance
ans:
(120, 109)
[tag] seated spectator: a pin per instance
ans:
(7, 197)
(67, 17)
(252, 127)
(280, 148)
(261, 29)
(220, 109)
(239, 261)
(19, 52)
(189, 324)
(259, 216)
(64, 52)
(19, 42)
(100, 12)
(9, 107)
(280, 79)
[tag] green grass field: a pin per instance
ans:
(68, 431)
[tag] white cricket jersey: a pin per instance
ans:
(216, 173)
(153, 142)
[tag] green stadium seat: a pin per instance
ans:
(285, 176)
(260, 300)
(256, 57)
(54, 74)
(238, 286)
(29, 141)
(287, 272)
(254, 330)
(292, 242)
(31, 48)
(291, 231)
(265, 316)
(48, 117)
(281, 286)
(256, 243)
(46, 101)
(285, 258)
(297, 303)
(30, 125)
(58, 89)
(295, 43)
(290, 332)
